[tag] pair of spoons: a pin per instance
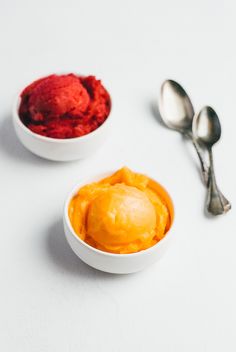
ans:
(203, 129)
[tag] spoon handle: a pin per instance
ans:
(216, 203)
(204, 167)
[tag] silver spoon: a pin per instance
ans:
(177, 113)
(207, 131)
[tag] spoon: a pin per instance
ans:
(177, 113)
(207, 131)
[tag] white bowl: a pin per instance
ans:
(109, 262)
(60, 149)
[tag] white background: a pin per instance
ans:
(50, 300)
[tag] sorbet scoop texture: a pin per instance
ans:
(123, 213)
(64, 106)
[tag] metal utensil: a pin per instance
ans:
(177, 113)
(207, 131)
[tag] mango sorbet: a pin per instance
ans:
(124, 213)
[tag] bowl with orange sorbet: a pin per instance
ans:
(119, 222)
(63, 117)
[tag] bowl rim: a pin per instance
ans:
(98, 177)
(17, 120)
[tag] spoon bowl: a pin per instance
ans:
(206, 126)
(175, 107)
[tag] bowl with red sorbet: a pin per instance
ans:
(63, 117)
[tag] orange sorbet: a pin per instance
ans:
(124, 213)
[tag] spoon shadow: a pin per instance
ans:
(155, 112)
(186, 141)
(189, 150)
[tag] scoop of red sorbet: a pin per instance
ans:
(64, 106)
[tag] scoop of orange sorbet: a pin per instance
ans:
(123, 213)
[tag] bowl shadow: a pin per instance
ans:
(65, 259)
(12, 147)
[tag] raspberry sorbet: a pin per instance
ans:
(64, 106)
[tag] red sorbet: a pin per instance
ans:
(64, 106)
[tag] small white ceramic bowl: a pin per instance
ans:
(109, 262)
(60, 149)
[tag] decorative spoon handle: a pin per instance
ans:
(216, 203)
(204, 167)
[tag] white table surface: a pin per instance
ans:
(50, 300)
